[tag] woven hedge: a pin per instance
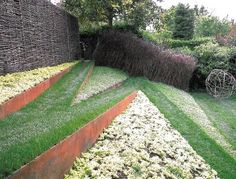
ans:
(141, 58)
(35, 33)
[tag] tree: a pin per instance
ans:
(202, 11)
(143, 13)
(138, 12)
(183, 22)
(94, 11)
(207, 26)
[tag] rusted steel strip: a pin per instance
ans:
(56, 161)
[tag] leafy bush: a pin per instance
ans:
(207, 26)
(140, 58)
(184, 50)
(212, 56)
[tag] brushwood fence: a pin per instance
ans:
(35, 33)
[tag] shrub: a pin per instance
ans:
(184, 50)
(175, 43)
(165, 40)
(212, 56)
(89, 36)
(207, 26)
(140, 58)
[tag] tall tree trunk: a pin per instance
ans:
(110, 21)
(110, 17)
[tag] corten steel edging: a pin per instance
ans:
(24, 98)
(56, 161)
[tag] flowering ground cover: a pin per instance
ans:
(141, 143)
(15, 83)
(102, 79)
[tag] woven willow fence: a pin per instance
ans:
(35, 33)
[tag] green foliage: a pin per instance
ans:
(212, 56)
(207, 26)
(166, 22)
(184, 50)
(95, 13)
(200, 11)
(165, 39)
(143, 13)
(177, 172)
(121, 26)
(137, 169)
(183, 22)
(175, 43)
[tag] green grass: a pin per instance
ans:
(222, 113)
(49, 119)
(215, 155)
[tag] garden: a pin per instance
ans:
(138, 103)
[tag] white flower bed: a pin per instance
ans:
(102, 79)
(15, 83)
(141, 144)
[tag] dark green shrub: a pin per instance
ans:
(141, 58)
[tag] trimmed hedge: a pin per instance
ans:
(175, 43)
(140, 58)
(158, 39)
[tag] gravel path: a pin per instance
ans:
(141, 144)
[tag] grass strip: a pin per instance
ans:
(222, 113)
(49, 119)
(221, 161)
(192, 109)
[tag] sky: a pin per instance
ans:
(220, 8)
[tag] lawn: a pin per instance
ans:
(221, 112)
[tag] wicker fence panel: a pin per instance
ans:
(35, 33)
